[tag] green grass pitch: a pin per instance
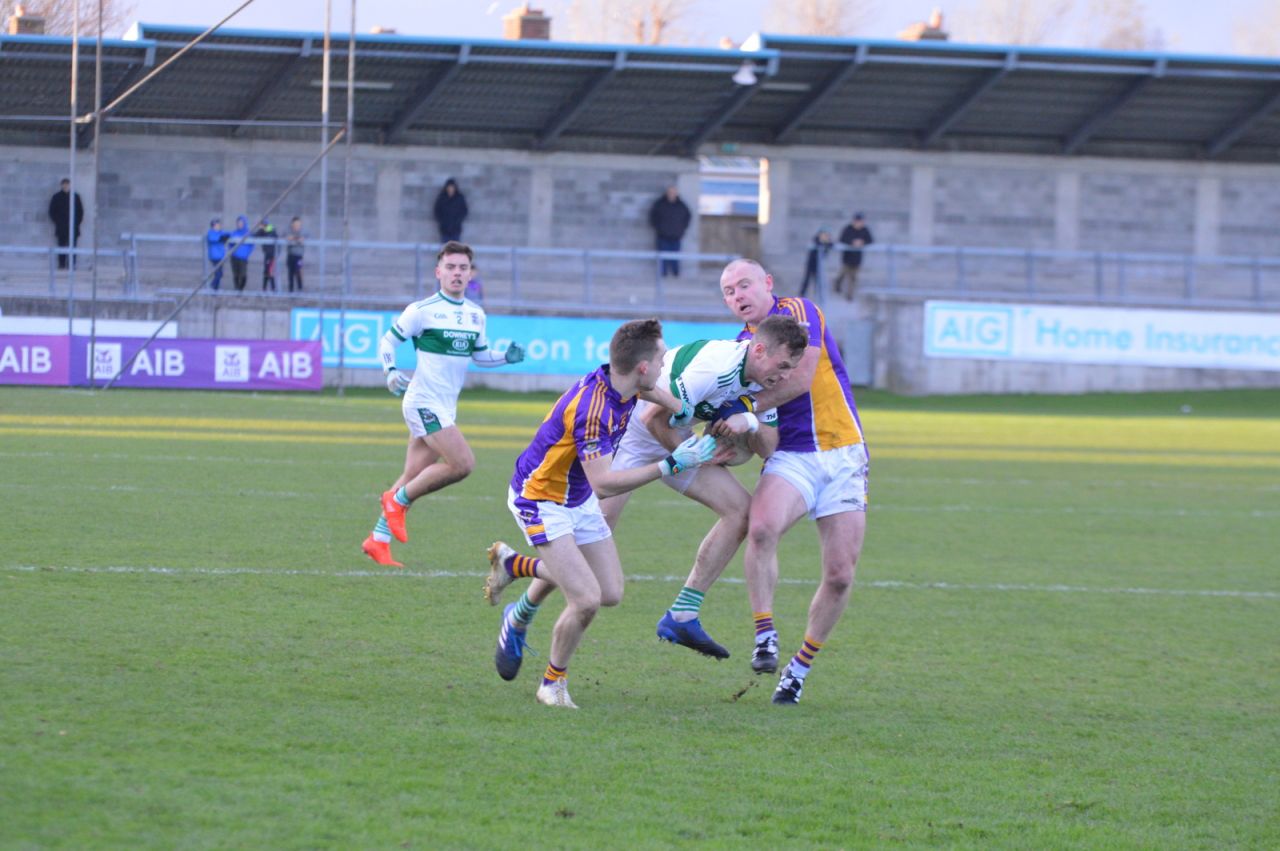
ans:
(1065, 633)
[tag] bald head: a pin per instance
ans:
(747, 290)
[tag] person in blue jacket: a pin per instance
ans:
(216, 244)
(240, 256)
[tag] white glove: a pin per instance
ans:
(694, 452)
(396, 382)
(684, 419)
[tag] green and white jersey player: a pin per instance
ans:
(706, 375)
(448, 334)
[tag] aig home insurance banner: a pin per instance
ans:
(1099, 335)
(200, 364)
(553, 345)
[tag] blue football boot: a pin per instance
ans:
(510, 652)
(690, 634)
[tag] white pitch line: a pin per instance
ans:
(884, 584)
(324, 496)
(877, 507)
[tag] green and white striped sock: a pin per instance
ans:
(687, 604)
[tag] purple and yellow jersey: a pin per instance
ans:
(825, 417)
(586, 423)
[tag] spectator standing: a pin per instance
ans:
(450, 211)
(669, 216)
(855, 236)
(266, 230)
(60, 215)
(818, 251)
(297, 245)
(216, 244)
(240, 255)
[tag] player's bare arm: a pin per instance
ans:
(658, 396)
(606, 482)
(794, 384)
(658, 422)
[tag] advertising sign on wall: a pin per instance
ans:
(172, 363)
(201, 364)
(553, 345)
(1097, 335)
(32, 359)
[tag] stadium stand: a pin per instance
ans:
(1078, 176)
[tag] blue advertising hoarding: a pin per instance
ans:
(554, 345)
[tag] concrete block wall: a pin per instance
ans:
(1127, 211)
(931, 198)
(1250, 216)
(155, 184)
(993, 206)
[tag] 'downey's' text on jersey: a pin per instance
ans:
(444, 333)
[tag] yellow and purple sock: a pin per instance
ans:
(801, 662)
(554, 675)
(522, 567)
(764, 626)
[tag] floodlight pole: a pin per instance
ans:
(71, 167)
(324, 166)
(97, 172)
(350, 127)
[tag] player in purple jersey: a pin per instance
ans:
(819, 470)
(554, 497)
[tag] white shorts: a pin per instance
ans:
(638, 447)
(831, 482)
(424, 417)
(542, 521)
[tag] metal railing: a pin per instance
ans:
(507, 275)
(587, 279)
(1101, 277)
(38, 267)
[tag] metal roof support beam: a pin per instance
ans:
(275, 82)
(131, 75)
(424, 94)
(825, 91)
(1243, 125)
(580, 100)
(975, 94)
(736, 101)
(1085, 131)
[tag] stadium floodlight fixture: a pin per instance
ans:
(746, 74)
(367, 85)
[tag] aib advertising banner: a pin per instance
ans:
(34, 359)
(554, 345)
(173, 363)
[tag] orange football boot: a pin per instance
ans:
(379, 551)
(394, 512)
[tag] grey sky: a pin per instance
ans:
(1188, 26)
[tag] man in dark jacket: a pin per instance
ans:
(670, 218)
(855, 236)
(266, 230)
(60, 214)
(450, 210)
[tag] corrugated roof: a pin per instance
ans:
(668, 100)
